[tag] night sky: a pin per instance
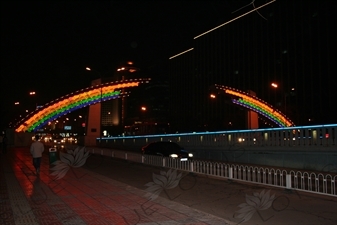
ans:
(46, 45)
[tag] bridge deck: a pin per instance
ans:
(112, 191)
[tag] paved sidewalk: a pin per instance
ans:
(111, 191)
(81, 197)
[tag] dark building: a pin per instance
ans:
(291, 43)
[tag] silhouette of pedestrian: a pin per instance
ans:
(36, 150)
(4, 144)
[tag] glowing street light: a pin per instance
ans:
(274, 85)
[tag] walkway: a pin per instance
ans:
(111, 191)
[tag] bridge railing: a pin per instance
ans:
(319, 183)
(309, 137)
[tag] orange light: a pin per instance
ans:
(274, 85)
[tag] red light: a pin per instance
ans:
(326, 135)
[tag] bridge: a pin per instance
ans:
(112, 90)
(282, 157)
(73, 101)
(300, 147)
(289, 146)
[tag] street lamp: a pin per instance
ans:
(285, 95)
(275, 86)
(128, 68)
(100, 117)
(33, 93)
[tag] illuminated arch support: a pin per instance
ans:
(74, 101)
(257, 105)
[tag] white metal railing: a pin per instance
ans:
(318, 183)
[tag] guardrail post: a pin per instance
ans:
(191, 169)
(230, 172)
(164, 162)
(288, 181)
(126, 155)
(143, 159)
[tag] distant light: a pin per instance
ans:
(212, 96)
(87, 68)
(181, 53)
(274, 85)
(17, 103)
(130, 63)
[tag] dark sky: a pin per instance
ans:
(46, 45)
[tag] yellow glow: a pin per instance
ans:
(260, 104)
(58, 104)
(181, 53)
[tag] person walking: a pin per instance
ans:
(36, 150)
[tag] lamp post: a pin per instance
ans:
(33, 93)
(128, 68)
(285, 94)
(100, 116)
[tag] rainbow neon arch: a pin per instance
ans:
(74, 101)
(257, 105)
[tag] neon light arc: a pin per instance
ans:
(257, 105)
(74, 101)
